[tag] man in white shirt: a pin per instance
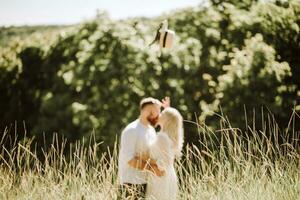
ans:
(135, 141)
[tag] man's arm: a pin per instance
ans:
(146, 163)
(128, 144)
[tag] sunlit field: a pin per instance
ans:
(68, 89)
(227, 164)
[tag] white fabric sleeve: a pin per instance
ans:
(128, 145)
(162, 152)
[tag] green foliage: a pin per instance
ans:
(255, 77)
(93, 75)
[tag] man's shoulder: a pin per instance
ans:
(131, 128)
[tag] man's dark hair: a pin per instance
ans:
(148, 101)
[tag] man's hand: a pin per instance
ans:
(137, 163)
(166, 102)
(154, 169)
(149, 164)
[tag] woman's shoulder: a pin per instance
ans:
(164, 145)
(163, 134)
(163, 139)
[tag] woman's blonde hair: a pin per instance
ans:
(173, 126)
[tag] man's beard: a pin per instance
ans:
(152, 121)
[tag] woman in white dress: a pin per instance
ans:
(166, 148)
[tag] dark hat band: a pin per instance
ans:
(165, 39)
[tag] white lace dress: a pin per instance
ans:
(165, 187)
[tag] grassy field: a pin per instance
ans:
(228, 164)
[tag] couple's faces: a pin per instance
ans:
(160, 121)
(153, 116)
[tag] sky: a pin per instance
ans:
(38, 12)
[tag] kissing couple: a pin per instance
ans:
(146, 158)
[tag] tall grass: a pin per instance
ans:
(228, 164)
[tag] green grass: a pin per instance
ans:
(229, 164)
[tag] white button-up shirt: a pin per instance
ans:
(136, 138)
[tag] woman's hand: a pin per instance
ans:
(166, 102)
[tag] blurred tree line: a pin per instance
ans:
(230, 57)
